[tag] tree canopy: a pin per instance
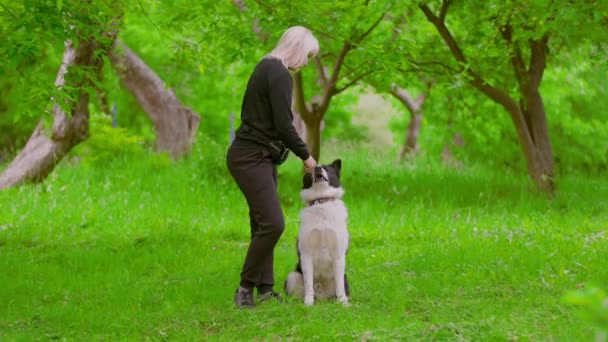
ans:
(519, 83)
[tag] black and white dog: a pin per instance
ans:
(322, 239)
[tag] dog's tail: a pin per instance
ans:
(294, 285)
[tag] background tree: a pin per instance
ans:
(414, 107)
(401, 77)
(203, 52)
(81, 65)
(175, 125)
(348, 53)
(512, 33)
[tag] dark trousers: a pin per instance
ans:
(256, 177)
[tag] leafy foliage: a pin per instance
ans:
(206, 50)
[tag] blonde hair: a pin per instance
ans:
(295, 46)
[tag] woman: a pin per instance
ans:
(266, 117)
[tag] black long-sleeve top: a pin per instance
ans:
(267, 107)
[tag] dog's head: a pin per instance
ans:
(324, 175)
(323, 181)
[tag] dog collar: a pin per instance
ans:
(321, 200)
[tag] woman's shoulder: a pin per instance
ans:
(273, 64)
(274, 69)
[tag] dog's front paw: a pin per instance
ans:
(309, 300)
(344, 300)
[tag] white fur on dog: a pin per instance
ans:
(322, 242)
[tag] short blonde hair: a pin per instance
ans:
(294, 48)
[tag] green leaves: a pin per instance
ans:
(205, 50)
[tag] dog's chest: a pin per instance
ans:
(320, 241)
(324, 248)
(323, 236)
(324, 226)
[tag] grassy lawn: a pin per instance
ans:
(118, 250)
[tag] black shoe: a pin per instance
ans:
(243, 298)
(268, 296)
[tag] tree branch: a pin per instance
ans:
(404, 97)
(414, 70)
(515, 55)
(346, 48)
(443, 31)
(370, 29)
(299, 97)
(421, 64)
(407, 100)
(8, 11)
(240, 4)
(444, 10)
(353, 82)
(492, 92)
(538, 61)
(353, 70)
(329, 87)
(338, 64)
(452, 45)
(325, 34)
(427, 91)
(320, 70)
(266, 6)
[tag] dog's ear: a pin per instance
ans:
(307, 181)
(337, 165)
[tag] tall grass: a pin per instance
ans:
(138, 247)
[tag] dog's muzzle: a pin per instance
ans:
(319, 174)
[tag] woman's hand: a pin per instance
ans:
(309, 164)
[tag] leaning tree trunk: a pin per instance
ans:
(46, 147)
(174, 123)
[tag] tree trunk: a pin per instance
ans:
(174, 123)
(46, 148)
(536, 120)
(410, 146)
(299, 124)
(313, 136)
(447, 156)
(308, 133)
(311, 117)
(539, 170)
(415, 108)
(540, 135)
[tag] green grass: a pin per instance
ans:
(136, 248)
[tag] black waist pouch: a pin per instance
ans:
(278, 151)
